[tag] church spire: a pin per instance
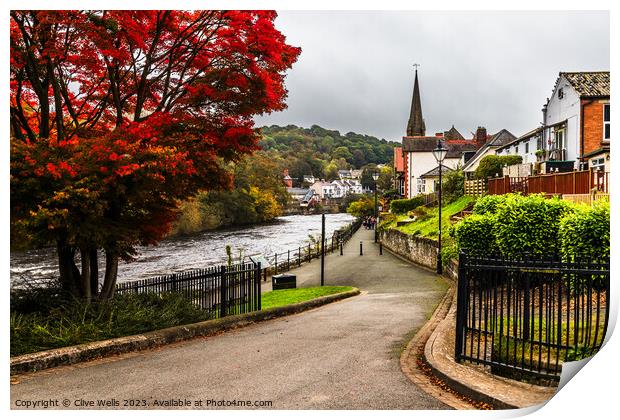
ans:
(415, 126)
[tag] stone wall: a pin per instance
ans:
(422, 251)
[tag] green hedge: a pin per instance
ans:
(585, 231)
(514, 224)
(488, 204)
(405, 205)
(475, 234)
(529, 224)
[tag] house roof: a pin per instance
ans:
(435, 171)
(527, 135)
(589, 83)
(427, 144)
(297, 191)
(453, 134)
(499, 139)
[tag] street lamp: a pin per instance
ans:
(375, 176)
(440, 153)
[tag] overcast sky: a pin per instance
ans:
(494, 69)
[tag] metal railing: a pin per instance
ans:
(293, 258)
(221, 290)
(524, 317)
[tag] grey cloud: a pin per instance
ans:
(477, 68)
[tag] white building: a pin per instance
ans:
(575, 131)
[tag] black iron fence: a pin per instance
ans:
(222, 290)
(292, 258)
(524, 317)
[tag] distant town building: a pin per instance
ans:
(288, 181)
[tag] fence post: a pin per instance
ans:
(340, 247)
(257, 287)
(299, 257)
(380, 248)
(361, 251)
(526, 307)
(223, 291)
(309, 251)
(276, 264)
(461, 300)
(288, 259)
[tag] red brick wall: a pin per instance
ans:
(592, 125)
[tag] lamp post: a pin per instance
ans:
(439, 153)
(375, 176)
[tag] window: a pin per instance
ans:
(421, 186)
(560, 93)
(559, 139)
(516, 149)
(539, 141)
(527, 147)
(606, 122)
(595, 164)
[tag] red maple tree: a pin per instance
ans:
(117, 115)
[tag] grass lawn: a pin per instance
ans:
(426, 224)
(288, 296)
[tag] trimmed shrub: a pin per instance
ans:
(405, 205)
(585, 231)
(475, 235)
(529, 224)
(488, 204)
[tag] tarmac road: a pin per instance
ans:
(341, 356)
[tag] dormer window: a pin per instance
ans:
(561, 93)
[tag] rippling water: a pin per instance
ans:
(195, 251)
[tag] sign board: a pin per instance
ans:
(260, 258)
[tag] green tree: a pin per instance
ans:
(364, 206)
(492, 165)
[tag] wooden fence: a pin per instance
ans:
(475, 187)
(576, 182)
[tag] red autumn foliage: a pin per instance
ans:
(118, 115)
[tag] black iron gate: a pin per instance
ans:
(525, 316)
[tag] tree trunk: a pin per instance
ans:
(111, 271)
(69, 273)
(94, 272)
(85, 277)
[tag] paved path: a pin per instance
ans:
(341, 356)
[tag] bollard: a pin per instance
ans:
(340, 247)
(361, 251)
(380, 248)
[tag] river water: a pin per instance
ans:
(194, 251)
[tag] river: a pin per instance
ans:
(194, 251)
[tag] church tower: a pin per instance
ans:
(415, 126)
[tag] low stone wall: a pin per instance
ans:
(422, 251)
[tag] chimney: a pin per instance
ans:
(481, 137)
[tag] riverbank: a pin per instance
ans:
(191, 252)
